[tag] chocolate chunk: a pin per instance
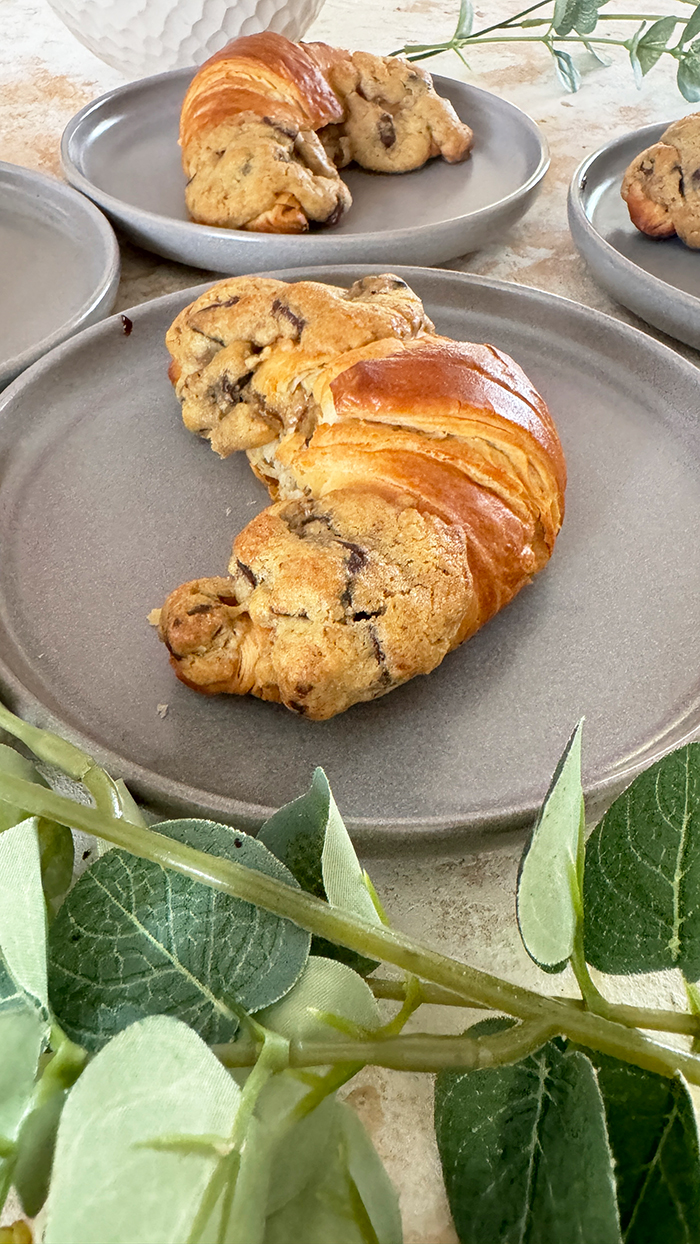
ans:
(695, 178)
(233, 389)
(385, 129)
(199, 609)
(303, 688)
(209, 336)
(357, 558)
(281, 308)
(335, 214)
(245, 169)
(228, 600)
(246, 570)
(378, 650)
(281, 129)
(127, 325)
(230, 302)
(298, 708)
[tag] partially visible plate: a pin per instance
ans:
(59, 266)
(658, 279)
(122, 151)
(107, 502)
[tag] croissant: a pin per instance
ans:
(417, 485)
(266, 124)
(662, 185)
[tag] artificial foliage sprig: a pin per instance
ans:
(559, 25)
(184, 1016)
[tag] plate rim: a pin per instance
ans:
(580, 224)
(190, 229)
(104, 294)
(423, 832)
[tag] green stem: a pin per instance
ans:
(592, 997)
(326, 1084)
(337, 925)
(64, 755)
(63, 1067)
(630, 1016)
(419, 1051)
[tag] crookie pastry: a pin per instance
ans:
(266, 124)
(417, 485)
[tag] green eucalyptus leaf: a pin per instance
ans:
(524, 1151)
(57, 860)
(567, 71)
(112, 1179)
(23, 911)
(309, 837)
(549, 898)
(289, 1144)
(636, 68)
(692, 27)
(688, 76)
(11, 996)
(35, 1150)
(23, 1034)
(465, 21)
(348, 1198)
(134, 939)
(55, 841)
(579, 15)
(654, 1140)
(563, 16)
(371, 1181)
(652, 44)
(328, 998)
(642, 879)
(602, 59)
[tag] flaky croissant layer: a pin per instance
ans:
(418, 484)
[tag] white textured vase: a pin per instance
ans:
(141, 37)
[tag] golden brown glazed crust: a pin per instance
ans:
(266, 124)
(662, 185)
(418, 484)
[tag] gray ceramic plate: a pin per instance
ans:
(106, 503)
(59, 261)
(658, 280)
(122, 151)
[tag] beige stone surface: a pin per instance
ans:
(462, 903)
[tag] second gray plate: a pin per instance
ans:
(59, 266)
(107, 502)
(658, 279)
(122, 152)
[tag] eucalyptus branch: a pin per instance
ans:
(339, 926)
(576, 24)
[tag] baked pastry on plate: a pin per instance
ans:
(417, 485)
(266, 124)
(662, 185)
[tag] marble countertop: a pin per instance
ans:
(463, 902)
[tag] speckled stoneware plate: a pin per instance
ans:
(107, 502)
(59, 266)
(122, 152)
(658, 279)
